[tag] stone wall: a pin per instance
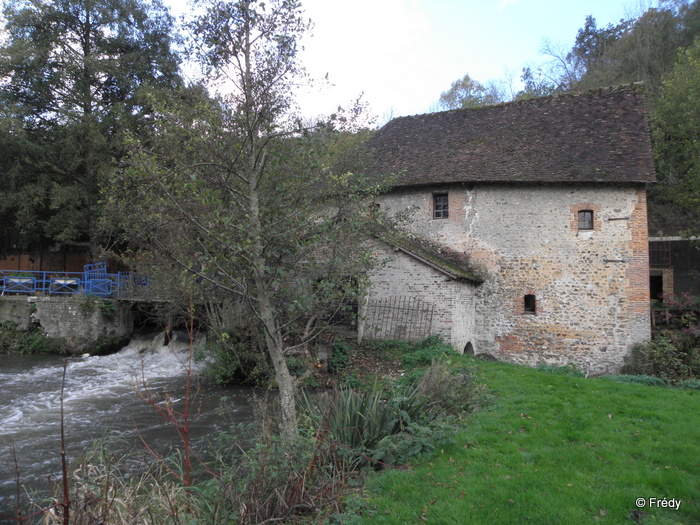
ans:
(590, 287)
(81, 321)
(16, 310)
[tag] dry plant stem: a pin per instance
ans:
(18, 511)
(186, 414)
(180, 420)
(64, 463)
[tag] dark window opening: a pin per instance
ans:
(530, 304)
(440, 206)
(660, 254)
(469, 349)
(656, 287)
(585, 220)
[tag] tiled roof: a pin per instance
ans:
(597, 136)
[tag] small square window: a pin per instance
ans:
(585, 220)
(530, 303)
(440, 206)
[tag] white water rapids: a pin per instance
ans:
(103, 396)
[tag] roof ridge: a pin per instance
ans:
(636, 87)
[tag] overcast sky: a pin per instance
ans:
(403, 53)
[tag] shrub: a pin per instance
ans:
(108, 308)
(16, 341)
(390, 346)
(683, 311)
(562, 370)
(451, 389)
(416, 439)
(361, 420)
(425, 352)
(659, 357)
(231, 360)
(689, 384)
(340, 356)
(272, 481)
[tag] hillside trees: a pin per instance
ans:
(242, 203)
(642, 49)
(589, 56)
(75, 73)
(676, 119)
(469, 93)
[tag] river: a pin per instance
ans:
(103, 397)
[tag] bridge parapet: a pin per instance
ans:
(94, 280)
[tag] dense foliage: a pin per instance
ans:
(673, 354)
(16, 341)
(76, 77)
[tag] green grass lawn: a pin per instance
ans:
(556, 449)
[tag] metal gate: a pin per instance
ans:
(399, 317)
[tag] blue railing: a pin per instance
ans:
(94, 280)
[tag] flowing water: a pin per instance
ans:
(103, 396)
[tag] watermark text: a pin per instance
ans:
(655, 503)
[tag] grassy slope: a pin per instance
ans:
(556, 449)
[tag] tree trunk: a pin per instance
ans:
(285, 383)
(255, 167)
(274, 342)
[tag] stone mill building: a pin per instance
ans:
(528, 232)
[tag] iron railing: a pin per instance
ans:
(399, 317)
(93, 280)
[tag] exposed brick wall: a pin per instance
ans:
(591, 286)
(638, 271)
(666, 280)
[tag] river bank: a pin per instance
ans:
(387, 419)
(104, 397)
